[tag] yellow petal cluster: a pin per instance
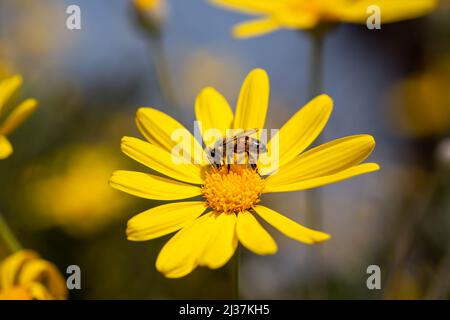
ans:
(18, 115)
(26, 276)
(307, 14)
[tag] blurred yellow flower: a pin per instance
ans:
(7, 88)
(73, 193)
(25, 276)
(150, 13)
(145, 5)
(421, 103)
(307, 14)
(230, 197)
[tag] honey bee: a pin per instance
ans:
(224, 151)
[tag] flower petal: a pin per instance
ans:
(39, 292)
(41, 271)
(8, 87)
(290, 228)
(164, 131)
(6, 148)
(325, 160)
(255, 7)
(11, 266)
(253, 236)
(18, 116)
(255, 28)
(153, 187)
(322, 181)
(253, 101)
(222, 244)
(301, 129)
(180, 254)
(160, 160)
(290, 19)
(163, 220)
(213, 111)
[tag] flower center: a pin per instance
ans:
(232, 190)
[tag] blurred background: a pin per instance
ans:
(391, 83)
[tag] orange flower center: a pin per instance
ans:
(232, 190)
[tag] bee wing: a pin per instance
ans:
(241, 134)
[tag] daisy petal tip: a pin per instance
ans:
(17, 80)
(322, 237)
(175, 275)
(271, 251)
(131, 232)
(170, 273)
(238, 34)
(260, 73)
(206, 92)
(127, 141)
(133, 239)
(32, 103)
(141, 111)
(274, 250)
(325, 101)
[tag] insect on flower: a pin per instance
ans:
(209, 230)
(235, 149)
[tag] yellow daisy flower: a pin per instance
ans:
(25, 276)
(7, 88)
(212, 227)
(145, 5)
(307, 14)
(150, 13)
(80, 201)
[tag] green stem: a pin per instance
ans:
(153, 33)
(313, 199)
(8, 236)
(162, 71)
(315, 88)
(235, 275)
(316, 65)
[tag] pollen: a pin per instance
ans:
(232, 190)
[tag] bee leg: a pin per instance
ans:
(228, 162)
(252, 162)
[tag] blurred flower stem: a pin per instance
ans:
(313, 198)
(8, 236)
(317, 37)
(150, 18)
(162, 70)
(235, 275)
